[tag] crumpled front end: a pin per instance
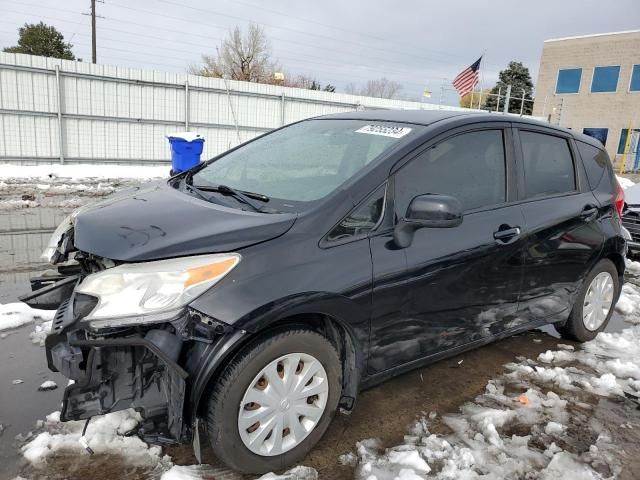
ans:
(113, 372)
(125, 335)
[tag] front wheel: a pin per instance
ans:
(594, 304)
(274, 401)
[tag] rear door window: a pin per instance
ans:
(596, 163)
(469, 166)
(548, 164)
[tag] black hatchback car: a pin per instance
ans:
(253, 296)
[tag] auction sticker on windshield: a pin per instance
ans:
(385, 131)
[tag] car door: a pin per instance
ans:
(563, 238)
(451, 286)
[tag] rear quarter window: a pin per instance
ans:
(548, 164)
(597, 165)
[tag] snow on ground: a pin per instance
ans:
(13, 315)
(105, 434)
(82, 171)
(526, 423)
(40, 333)
(68, 186)
(625, 182)
(114, 434)
(47, 385)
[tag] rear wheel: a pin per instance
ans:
(594, 304)
(274, 401)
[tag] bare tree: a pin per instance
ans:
(380, 87)
(351, 89)
(242, 56)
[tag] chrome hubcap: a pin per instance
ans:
(597, 301)
(283, 404)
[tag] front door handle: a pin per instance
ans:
(589, 211)
(506, 233)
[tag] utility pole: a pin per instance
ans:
(93, 31)
(94, 49)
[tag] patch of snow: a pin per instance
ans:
(83, 171)
(296, 473)
(47, 385)
(14, 315)
(625, 182)
(348, 459)
(13, 204)
(632, 266)
(554, 428)
(40, 333)
(557, 356)
(17, 381)
(104, 435)
(193, 472)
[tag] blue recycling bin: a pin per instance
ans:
(186, 148)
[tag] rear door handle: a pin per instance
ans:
(589, 211)
(506, 235)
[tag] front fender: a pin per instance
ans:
(340, 311)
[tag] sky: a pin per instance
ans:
(421, 44)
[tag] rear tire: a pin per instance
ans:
(580, 326)
(231, 401)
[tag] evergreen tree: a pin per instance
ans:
(516, 75)
(43, 40)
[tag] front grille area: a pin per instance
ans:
(631, 221)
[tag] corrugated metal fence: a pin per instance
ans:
(60, 110)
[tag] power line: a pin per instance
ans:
(305, 33)
(348, 30)
(306, 58)
(297, 43)
(377, 60)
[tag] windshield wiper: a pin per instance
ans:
(237, 194)
(232, 191)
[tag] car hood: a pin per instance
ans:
(158, 221)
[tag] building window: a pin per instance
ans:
(605, 79)
(623, 139)
(569, 80)
(597, 133)
(634, 85)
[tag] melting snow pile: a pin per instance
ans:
(68, 186)
(625, 182)
(538, 420)
(83, 171)
(14, 315)
(106, 434)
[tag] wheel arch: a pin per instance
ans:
(349, 341)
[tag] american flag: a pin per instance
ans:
(468, 78)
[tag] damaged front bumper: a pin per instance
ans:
(145, 369)
(138, 371)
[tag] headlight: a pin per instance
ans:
(136, 293)
(66, 225)
(56, 237)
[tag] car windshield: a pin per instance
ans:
(303, 163)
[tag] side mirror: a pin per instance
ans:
(427, 211)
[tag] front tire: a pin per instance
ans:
(594, 304)
(274, 401)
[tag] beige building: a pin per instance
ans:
(591, 84)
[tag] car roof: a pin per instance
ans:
(429, 117)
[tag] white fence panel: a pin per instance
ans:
(123, 115)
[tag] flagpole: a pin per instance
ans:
(481, 79)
